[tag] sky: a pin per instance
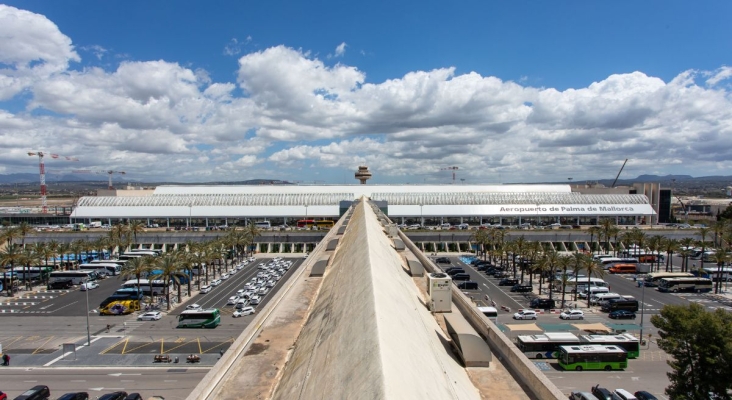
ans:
(193, 91)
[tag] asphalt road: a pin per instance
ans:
(172, 383)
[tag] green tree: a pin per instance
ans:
(703, 233)
(135, 227)
(721, 257)
(700, 344)
(11, 255)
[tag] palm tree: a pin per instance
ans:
(77, 246)
(135, 268)
(703, 233)
(654, 245)
(65, 249)
(23, 230)
(594, 231)
(719, 228)
(686, 244)
(53, 246)
(564, 262)
(593, 268)
(721, 257)
(614, 232)
(10, 234)
(167, 264)
(552, 259)
(606, 227)
(11, 255)
(28, 258)
(480, 237)
(578, 262)
(670, 246)
(135, 227)
(43, 250)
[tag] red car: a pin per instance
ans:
(3, 396)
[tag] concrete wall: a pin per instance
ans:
(368, 335)
(521, 367)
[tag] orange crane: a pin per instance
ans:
(453, 169)
(108, 172)
(42, 167)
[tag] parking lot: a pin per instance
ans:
(648, 372)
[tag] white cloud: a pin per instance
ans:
(31, 48)
(340, 50)
(161, 120)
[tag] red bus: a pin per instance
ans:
(305, 223)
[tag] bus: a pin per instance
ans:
(121, 263)
(263, 224)
(630, 343)
(545, 345)
(39, 273)
(111, 269)
(122, 294)
(589, 357)
(324, 224)
(9, 279)
(581, 284)
(156, 251)
(130, 256)
(76, 277)
(713, 273)
(305, 223)
(158, 286)
(140, 253)
(692, 284)
(208, 318)
(652, 279)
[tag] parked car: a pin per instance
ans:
(3, 396)
(225, 277)
(508, 282)
(72, 396)
(602, 393)
(38, 392)
(621, 314)
(643, 395)
(205, 289)
(66, 284)
(582, 396)
(232, 300)
(525, 314)
(453, 271)
(244, 311)
(193, 306)
(134, 396)
(461, 276)
(543, 304)
(150, 316)
(468, 285)
(572, 314)
(89, 286)
(623, 394)
(522, 288)
(254, 300)
(442, 260)
(114, 396)
(216, 282)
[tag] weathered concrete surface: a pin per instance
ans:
(369, 335)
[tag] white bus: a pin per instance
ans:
(652, 279)
(111, 269)
(263, 224)
(693, 284)
(121, 263)
(582, 283)
(545, 345)
(156, 252)
(490, 312)
(158, 286)
(76, 277)
(141, 253)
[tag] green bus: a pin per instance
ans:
(630, 343)
(592, 357)
(208, 318)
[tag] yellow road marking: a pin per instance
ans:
(180, 340)
(177, 347)
(199, 345)
(18, 338)
(162, 348)
(218, 345)
(125, 348)
(32, 338)
(113, 346)
(41, 347)
(138, 347)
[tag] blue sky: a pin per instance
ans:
(507, 91)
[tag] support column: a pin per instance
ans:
(167, 220)
(206, 222)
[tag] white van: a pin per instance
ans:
(490, 312)
(593, 291)
(624, 394)
(599, 298)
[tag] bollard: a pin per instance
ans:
(175, 361)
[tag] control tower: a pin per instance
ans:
(363, 174)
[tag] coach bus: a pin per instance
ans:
(652, 279)
(626, 341)
(689, 284)
(111, 269)
(582, 283)
(592, 357)
(263, 225)
(713, 273)
(39, 273)
(208, 318)
(306, 223)
(155, 252)
(545, 345)
(324, 224)
(76, 277)
(158, 286)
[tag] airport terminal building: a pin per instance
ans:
(510, 204)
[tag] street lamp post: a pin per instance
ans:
(88, 334)
(643, 306)
(421, 217)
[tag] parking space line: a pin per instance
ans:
(41, 347)
(199, 345)
(177, 347)
(139, 347)
(218, 345)
(113, 346)
(11, 343)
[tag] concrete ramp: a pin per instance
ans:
(368, 335)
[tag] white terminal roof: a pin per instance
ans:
(324, 201)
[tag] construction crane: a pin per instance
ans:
(108, 172)
(453, 169)
(42, 167)
(619, 172)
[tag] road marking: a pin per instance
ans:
(67, 353)
(121, 374)
(41, 347)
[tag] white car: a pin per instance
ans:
(254, 300)
(270, 283)
(150, 316)
(572, 314)
(244, 311)
(89, 286)
(240, 267)
(205, 289)
(216, 282)
(525, 314)
(225, 277)
(193, 306)
(232, 300)
(263, 290)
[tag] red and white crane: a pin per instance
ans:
(108, 172)
(453, 169)
(42, 167)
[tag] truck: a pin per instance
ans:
(95, 224)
